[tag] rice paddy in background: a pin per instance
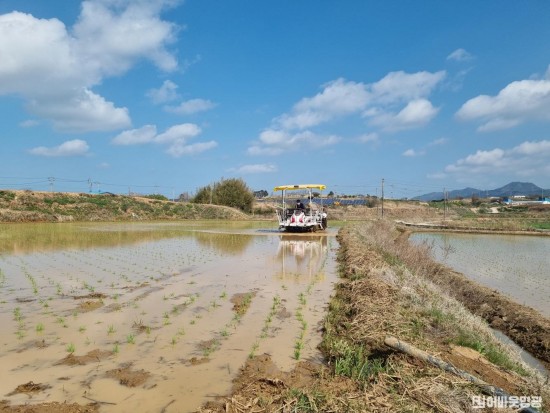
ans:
(147, 316)
(518, 266)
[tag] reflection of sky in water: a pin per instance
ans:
(519, 266)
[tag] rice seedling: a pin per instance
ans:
(111, 329)
(131, 338)
(255, 347)
(17, 316)
(116, 348)
(39, 328)
(298, 346)
(213, 346)
(71, 348)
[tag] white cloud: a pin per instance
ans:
(255, 169)
(416, 113)
(339, 97)
(274, 142)
(179, 148)
(29, 123)
(529, 159)
(145, 134)
(437, 175)
(82, 111)
(54, 68)
(166, 93)
(76, 147)
(176, 137)
(398, 101)
(460, 55)
(438, 142)
(258, 150)
(368, 137)
(402, 87)
(191, 106)
(519, 102)
(113, 34)
(177, 133)
(411, 153)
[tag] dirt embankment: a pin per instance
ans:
(525, 326)
(28, 206)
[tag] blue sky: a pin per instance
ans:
(166, 96)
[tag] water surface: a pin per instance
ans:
(158, 297)
(516, 265)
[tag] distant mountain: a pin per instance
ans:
(511, 189)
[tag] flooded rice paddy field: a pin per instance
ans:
(518, 266)
(147, 317)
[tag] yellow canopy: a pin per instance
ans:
(303, 186)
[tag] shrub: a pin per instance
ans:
(229, 192)
(156, 196)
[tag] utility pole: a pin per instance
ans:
(90, 184)
(382, 197)
(444, 204)
(52, 180)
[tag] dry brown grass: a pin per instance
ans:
(388, 294)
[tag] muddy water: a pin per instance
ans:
(164, 302)
(518, 266)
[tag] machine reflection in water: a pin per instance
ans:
(302, 257)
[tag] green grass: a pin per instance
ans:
(352, 360)
(490, 351)
(304, 402)
(540, 225)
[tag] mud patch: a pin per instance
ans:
(93, 356)
(262, 387)
(128, 377)
(284, 314)
(86, 306)
(99, 296)
(208, 346)
(241, 302)
(53, 407)
(32, 345)
(112, 307)
(195, 361)
(475, 363)
(29, 388)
